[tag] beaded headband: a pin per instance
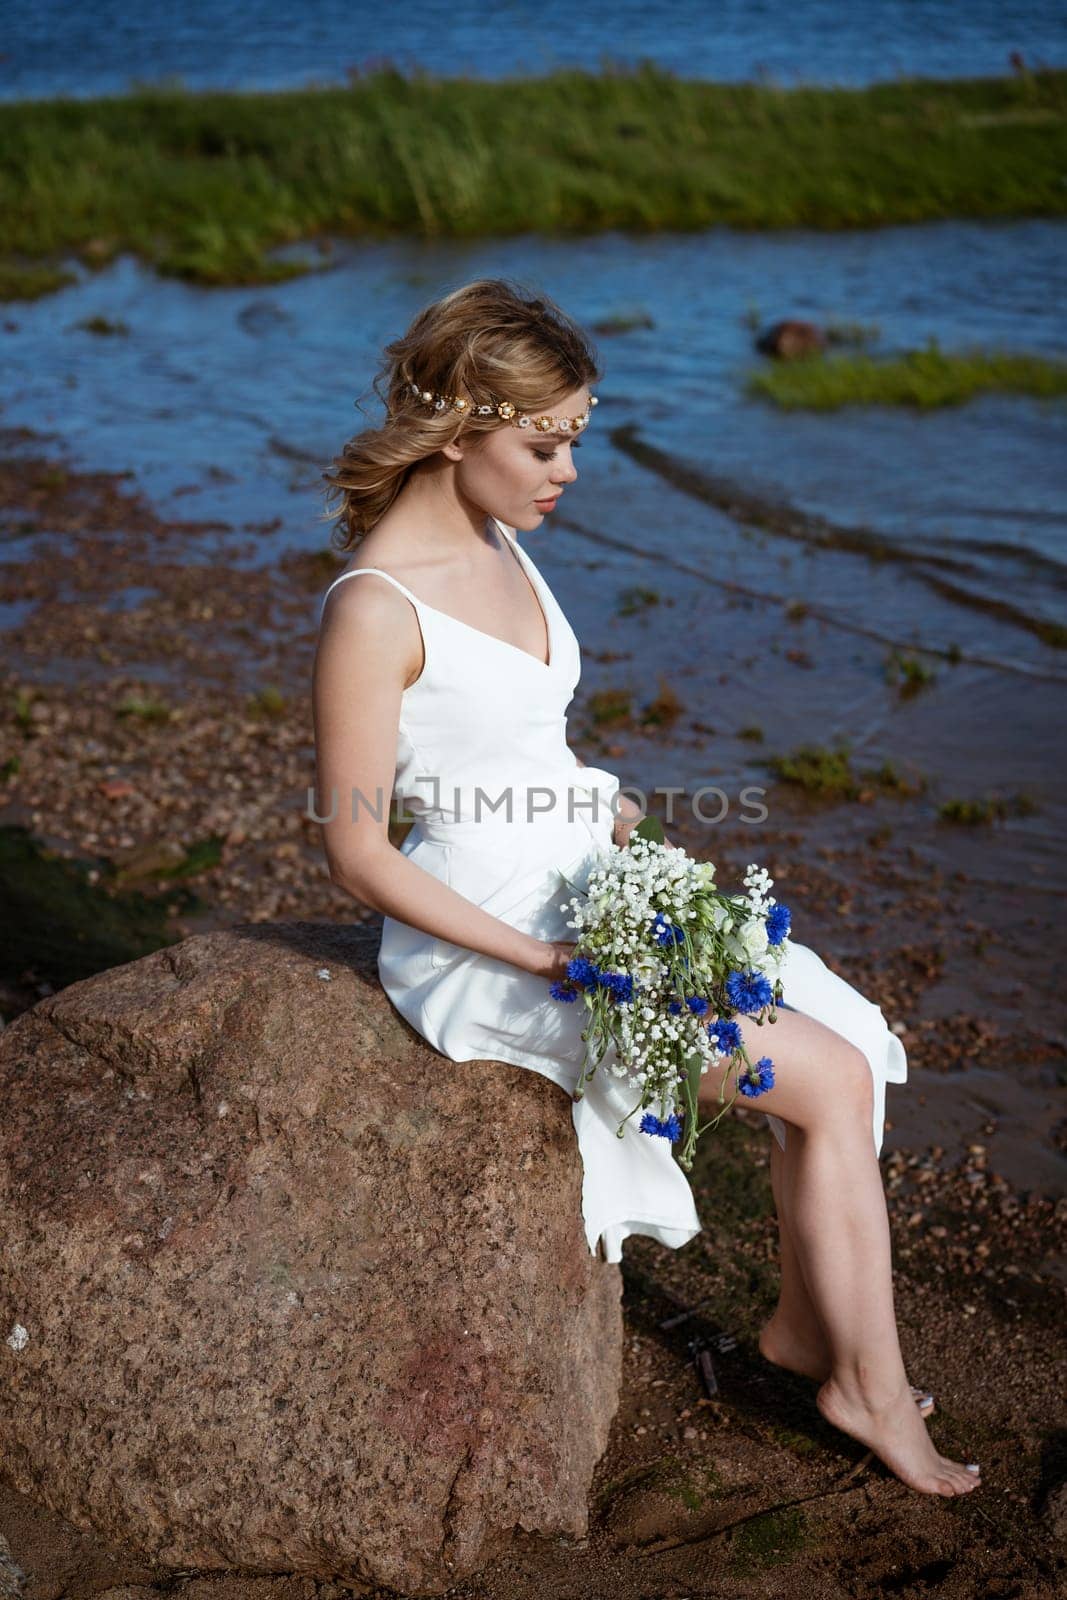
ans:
(505, 409)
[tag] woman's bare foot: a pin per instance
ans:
(896, 1433)
(809, 1354)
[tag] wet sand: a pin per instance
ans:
(950, 930)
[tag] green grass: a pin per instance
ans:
(105, 327)
(609, 706)
(61, 924)
(768, 1541)
(205, 185)
(22, 712)
(990, 808)
(146, 708)
(887, 777)
(267, 702)
(828, 774)
(636, 599)
(822, 772)
(693, 1483)
(909, 673)
(664, 709)
(923, 379)
(31, 283)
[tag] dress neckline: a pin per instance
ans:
(533, 577)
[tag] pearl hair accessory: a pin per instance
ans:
(505, 409)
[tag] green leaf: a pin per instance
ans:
(693, 1063)
(691, 1085)
(649, 828)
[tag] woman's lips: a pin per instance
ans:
(549, 502)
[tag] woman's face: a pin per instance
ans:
(511, 469)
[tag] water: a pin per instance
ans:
(57, 47)
(246, 394)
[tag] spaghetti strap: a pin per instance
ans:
(354, 572)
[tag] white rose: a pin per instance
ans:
(753, 935)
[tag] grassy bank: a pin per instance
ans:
(202, 185)
(923, 379)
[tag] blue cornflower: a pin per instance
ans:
(727, 1035)
(777, 924)
(748, 992)
(620, 985)
(764, 1067)
(669, 1128)
(562, 991)
(674, 1006)
(697, 1004)
(665, 932)
(581, 970)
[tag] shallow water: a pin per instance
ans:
(239, 397)
(259, 44)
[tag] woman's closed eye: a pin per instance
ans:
(549, 455)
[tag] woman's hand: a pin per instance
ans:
(627, 817)
(624, 826)
(549, 958)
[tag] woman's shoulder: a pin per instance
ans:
(369, 619)
(380, 599)
(378, 557)
(390, 550)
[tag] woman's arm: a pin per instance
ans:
(369, 647)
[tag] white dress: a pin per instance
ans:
(483, 731)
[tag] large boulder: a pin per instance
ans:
(284, 1289)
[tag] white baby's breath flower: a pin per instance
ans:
(615, 919)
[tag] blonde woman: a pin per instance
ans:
(444, 675)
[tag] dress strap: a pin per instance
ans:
(356, 572)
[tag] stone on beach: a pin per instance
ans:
(283, 1288)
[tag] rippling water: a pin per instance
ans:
(58, 47)
(261, 384)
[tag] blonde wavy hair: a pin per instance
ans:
(487, 340)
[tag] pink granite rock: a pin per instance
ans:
(282, 1288)
(791, 339)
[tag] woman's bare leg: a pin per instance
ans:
(832, 1189)
(793, 1336)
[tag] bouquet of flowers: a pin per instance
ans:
(664, 960)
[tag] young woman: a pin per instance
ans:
(444, 675)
